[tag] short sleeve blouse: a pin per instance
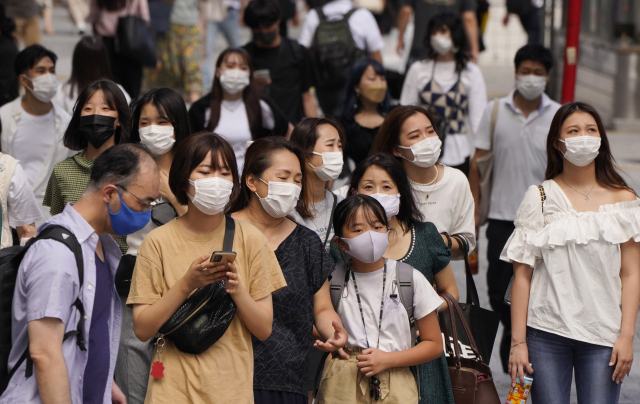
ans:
(576, 257)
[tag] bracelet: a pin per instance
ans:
(448, 239)
(515, 345)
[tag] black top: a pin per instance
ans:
(359, 139)
(8, 78)
(281, 361)
(198, 110)
(291, 71)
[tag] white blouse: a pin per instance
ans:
(576, 287)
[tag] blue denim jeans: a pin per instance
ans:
(230, 29)
(554, 359)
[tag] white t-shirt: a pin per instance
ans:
(66, 100)
(22, 206)
(322, 217)
(576, 291)
(234, 125)
(395, 332)
(457, 147)
(31, 144)
(364, 28)
(519, 151)
(449, 205)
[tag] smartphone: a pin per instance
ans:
(263, 74)
(222, 257)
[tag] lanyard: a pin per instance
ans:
(355, 285)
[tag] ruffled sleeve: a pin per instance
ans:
(529, 221)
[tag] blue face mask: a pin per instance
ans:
(127, 221)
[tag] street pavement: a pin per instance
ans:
(497, 67)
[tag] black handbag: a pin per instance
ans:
(135, 40)
(482, 323)
(205, 316)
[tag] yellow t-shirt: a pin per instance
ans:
(224, 372)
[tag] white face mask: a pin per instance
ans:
(212, 194)
(426, 152)
(45, 86)
(581, 150)
(390, 203)
(331, 166)
(159, 139)
(234, 80)
(442, 44)
(281, 199)
(531, 86)
(368, 247)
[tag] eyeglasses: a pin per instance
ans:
(147, 206)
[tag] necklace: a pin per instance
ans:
(432, 182)
(413, 244)
(586, 196)
(373, 381)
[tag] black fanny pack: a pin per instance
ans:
(205, 316)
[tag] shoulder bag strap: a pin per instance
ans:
(494, 119)
(543, 197)
(330, 227)
(229, 233)
(472, 291)
(454, 309)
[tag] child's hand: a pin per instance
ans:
(372, 361)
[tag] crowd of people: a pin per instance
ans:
(190, 241)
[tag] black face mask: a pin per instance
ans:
(97, 129)
(265, 37)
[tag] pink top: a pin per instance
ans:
(105, 22)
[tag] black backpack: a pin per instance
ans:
(334, 50)
(10, 259)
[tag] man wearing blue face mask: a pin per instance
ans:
(51, 299)
(515, 129)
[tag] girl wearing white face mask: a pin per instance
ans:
(174, 260)
(412, 241)
(234, 108)
(160, 122)
(380, 338)
(441, 193)
(448, 73)
(321, 141)
(272, 180)
(579, 232)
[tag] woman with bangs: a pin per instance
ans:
(272, 180)
(100, 120)
(174, 260)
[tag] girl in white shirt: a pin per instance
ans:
(379, 345)
(576, 254)
(449, 82)
(442, 193)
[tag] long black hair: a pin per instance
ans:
(347, 210)
(170, 106)
(409, 214)
(352, 102)
(90, 62)
(462, 50)
(250, 95)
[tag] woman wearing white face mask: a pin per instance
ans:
(579, 233)
(272, 180)
(412, 241)
(160, 122)
(321, 141)
(442, 193)
(380, 346)
(174, 260)
(234, 108)
(447, 81)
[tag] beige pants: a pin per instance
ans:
(79, 10)
(343, 383)
(28, 30)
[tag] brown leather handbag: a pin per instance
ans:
(470, 378)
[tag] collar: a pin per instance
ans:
(83, 162)
(545, 102)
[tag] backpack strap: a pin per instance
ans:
(404, 285)
(229, 233)
(350, 13)
(339, 278)
(62, 235)
(494, 119)
(321, 15)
